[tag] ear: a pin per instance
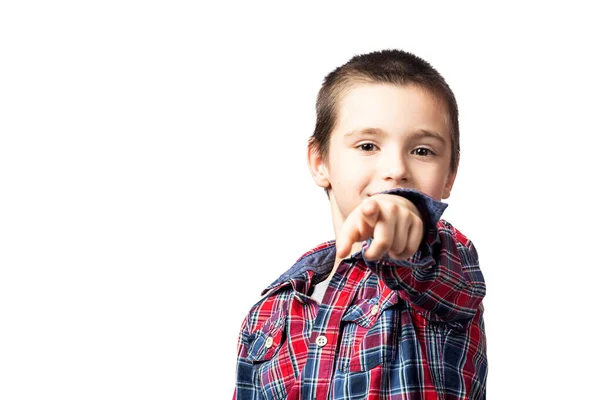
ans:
(449, 182)
(317, 166)
(448, 185)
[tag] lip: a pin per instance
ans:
(382, 190)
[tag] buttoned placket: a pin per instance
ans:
(326, 331)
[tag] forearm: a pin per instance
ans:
(442, 279)
(445, 284)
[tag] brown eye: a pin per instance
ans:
(422, 151)
(367, 147)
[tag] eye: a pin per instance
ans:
(366, 147)
(423, 152)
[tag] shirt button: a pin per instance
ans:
(374, 310)
(321, 341)
(269, 342)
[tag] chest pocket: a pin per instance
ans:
(269, 353)
(369, 336)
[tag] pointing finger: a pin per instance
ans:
(348, 235)
(358, 226)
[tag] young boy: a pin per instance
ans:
(398, 316)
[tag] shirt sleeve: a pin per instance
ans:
(245, 389)
(442, 279)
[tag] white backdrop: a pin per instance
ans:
(150, 151)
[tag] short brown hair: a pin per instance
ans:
(386, 66)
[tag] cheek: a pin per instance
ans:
(355, 177)
(350, 171)
(432, 183)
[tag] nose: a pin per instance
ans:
(395, 168)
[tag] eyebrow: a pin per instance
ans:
(419, 134)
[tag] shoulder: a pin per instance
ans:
(269, 307)
(456, 242)
(456, 246)
(448, 229)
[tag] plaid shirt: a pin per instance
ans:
(385, 329)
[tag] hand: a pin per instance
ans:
(392, 221)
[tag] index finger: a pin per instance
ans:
(358, 226)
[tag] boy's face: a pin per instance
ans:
(386, 136)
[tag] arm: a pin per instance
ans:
(442, 279)
(244, 380)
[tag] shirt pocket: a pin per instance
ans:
(265, 342)
(368, 336)
(269, 354)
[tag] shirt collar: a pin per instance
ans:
(319, 261)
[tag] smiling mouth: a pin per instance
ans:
(383, 190)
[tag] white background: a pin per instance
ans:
(151, 151)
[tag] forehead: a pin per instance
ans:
(397, 109)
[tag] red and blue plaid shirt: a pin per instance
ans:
(385, 329)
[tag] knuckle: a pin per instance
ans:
(381, 244)
(402, 213)
(390, 208)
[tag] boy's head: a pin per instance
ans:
(385, 120)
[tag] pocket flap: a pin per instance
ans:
(365, 311)
(266, 340)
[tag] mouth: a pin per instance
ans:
(379, 191)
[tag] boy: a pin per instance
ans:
(398, 316)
